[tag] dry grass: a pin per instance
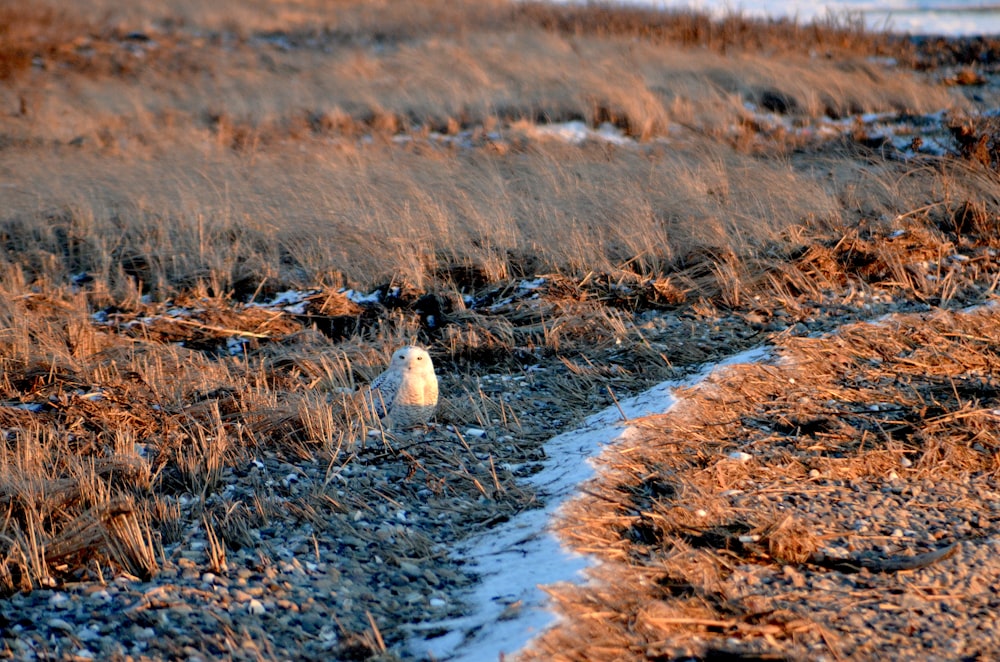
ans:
(188, 161)
(842, 410)
(384, 215)
(436, 65)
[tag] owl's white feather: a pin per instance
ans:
(406, 394)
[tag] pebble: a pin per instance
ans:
(61, 624)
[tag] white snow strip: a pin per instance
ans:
(361, 297)
(577, 132)
(513, 559)
(286, 298)
(290, 301)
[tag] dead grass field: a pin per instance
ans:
(690, 538)
(160, 155)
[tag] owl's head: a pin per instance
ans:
(412, 359)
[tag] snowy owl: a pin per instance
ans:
(405, 395)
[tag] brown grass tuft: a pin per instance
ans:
(30, 33)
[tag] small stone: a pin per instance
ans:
(794, 576)
(87, 634)
(58, 600)
(410, 569)
(60, 624)
(286, 605)
(256, 607)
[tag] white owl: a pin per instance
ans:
(405, 395)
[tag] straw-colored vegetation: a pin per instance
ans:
(711, 522)
(192, 156)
